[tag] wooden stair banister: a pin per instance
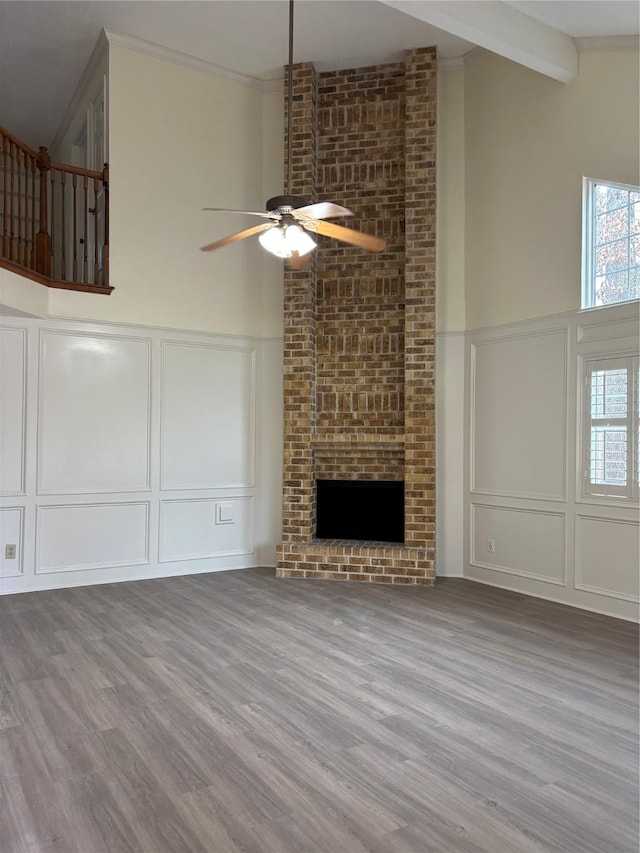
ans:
(54, 218)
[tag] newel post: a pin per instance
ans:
(43, 238)
(105, 248)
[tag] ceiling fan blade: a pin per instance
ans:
(271, 215)
(347, 235)
(299, 262)
(234, 237)
(321, 210)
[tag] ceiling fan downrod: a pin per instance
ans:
(292, 220)
(289, 101)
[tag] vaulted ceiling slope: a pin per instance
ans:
(45, 46)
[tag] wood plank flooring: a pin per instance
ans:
(237, 712)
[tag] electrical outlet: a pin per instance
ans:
(491, 546)
(9, 552)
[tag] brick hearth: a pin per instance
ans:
(359, 336)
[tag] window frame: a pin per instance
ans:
(595, 492)
(588, 294)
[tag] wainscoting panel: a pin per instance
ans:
(93, 413)
(95, 536)
(134, 452)
(608, 556)
(526, 543)
(13, 377)
(212, 527)
(11, 539)
(519, 401)
(214, 446)
(524, 464)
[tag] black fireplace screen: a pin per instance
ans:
(364, 510)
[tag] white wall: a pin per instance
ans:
(450, 231)
(529, 141)
(523, 465)
(93, 81)
(450, 319)
(512, 148)
(509, 251)
(450, 437)
(18, 293)
(181, 139)
(131, 452)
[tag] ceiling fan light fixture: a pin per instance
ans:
(292, 217)
(284, 241)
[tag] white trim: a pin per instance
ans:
(251, 351)
(41, 509)
(501, 29)
(99, 327)
(587, 44)
(43, 332)
(529, 594)
(473, 489)
(452, 63)
(588, 294)
(597, 590)
(474, 55)
(496, 567)
(23, 438)
(272, 84)
(447, 334)
(19, 568)
(98, 58)
(560, 320)
(177, 57)
(609, 331)
(237, 552)
(262, 494)
(594, 333)
(622, 496)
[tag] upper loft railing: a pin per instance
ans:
(54, 219)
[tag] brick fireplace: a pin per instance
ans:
(359, 330)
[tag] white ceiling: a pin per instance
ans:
(44, 46)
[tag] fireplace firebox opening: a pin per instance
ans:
(361, 510)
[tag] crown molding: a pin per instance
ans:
(451, 63)
(607, 43)
(176, 57)
(273, 84)
(98, 59)
(472, 56)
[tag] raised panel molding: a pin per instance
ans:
(86, 399)
(81, 537)
(13, 396)
(613, 330)
(93, 413)
(12, 533)
(215, 447)
(543, 543)
(203, 528)
(606, 552)
(518, 415)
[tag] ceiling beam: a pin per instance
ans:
(501, 29)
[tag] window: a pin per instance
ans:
(612, 427)
(611, 243)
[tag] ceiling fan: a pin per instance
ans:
(291, 219)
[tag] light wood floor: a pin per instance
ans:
(237, 712)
